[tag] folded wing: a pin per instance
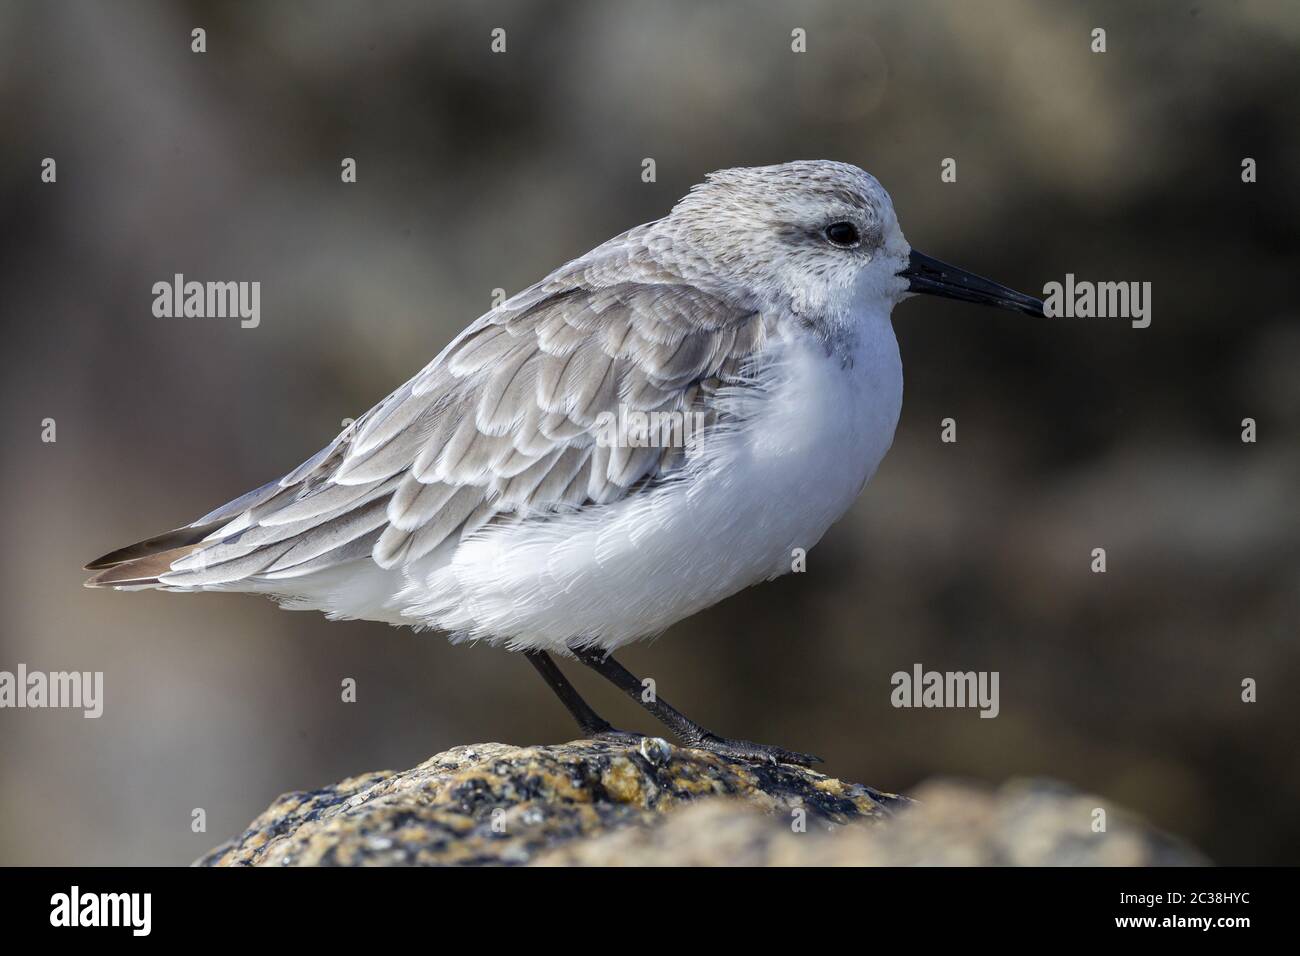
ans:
(503, 425)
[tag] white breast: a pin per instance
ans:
(813, 432)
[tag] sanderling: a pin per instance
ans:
(480, 499)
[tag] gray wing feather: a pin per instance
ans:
(501, 426)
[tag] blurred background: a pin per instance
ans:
(478, 171)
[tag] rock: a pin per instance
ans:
(596, 803)
(1025, 823)
(1022, 823)
(492, 803)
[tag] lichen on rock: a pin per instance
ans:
(493, 803)
(604, 804)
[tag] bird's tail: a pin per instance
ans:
(139, 565)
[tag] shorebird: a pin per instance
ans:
(486, 499)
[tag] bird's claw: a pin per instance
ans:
(748, 750)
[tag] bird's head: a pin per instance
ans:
(818, 238)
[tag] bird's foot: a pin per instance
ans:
(748, 750)
(655, 749)
(723, 746)
(623, 738)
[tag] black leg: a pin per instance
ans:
(590, 722)
(688, 730)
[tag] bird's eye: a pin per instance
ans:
(843, 234)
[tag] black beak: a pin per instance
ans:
(930, 276)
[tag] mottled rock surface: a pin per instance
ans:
(492, 803)
(595, 803)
